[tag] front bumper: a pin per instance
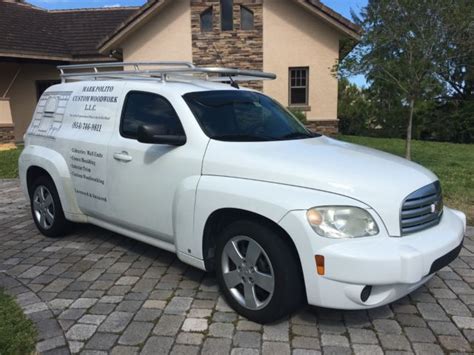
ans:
(393, 266)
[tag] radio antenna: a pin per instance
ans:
(232, 81)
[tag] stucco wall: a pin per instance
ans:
(167, 36)
(5, 112)
(23, 95)
(6, 122)
(293, 37)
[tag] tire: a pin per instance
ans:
(273, 282)
(46, 208)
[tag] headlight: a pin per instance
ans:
(342, 222)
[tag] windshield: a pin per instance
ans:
(244, 116)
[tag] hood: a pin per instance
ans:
(380, 180)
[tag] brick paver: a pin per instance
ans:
(95, 291)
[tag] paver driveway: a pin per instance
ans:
(97, 292)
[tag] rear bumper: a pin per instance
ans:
(23, 162)
(393, 267)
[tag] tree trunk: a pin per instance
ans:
(409, 130)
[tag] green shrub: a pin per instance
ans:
(452, 121)
(300, 115)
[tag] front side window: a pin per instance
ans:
(227, 15)
(206, 20)
(299, 86)
(246, 19)
(142, 108)
(240, 116)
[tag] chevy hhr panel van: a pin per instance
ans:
(230, 181)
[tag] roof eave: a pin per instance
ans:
(130, 25)
(348, 31)
(54, 58)
(34, 55)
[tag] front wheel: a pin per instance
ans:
(258, 272)
(46, 208)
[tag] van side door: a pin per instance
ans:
(88, 126)
(147, 179)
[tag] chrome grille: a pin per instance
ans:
(422, 209)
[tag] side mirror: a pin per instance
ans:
(159, 134)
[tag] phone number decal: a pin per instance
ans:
(85, 126)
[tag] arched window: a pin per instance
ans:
(246, 19)
(206, 20)
(227, 15)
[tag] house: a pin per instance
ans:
(33, 42)
(299, 40)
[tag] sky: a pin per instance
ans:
(342, 6)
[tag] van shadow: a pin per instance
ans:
(180, 279)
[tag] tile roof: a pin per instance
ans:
(69, 35)
(74, 35)
(335, 15)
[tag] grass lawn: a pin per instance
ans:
(9, 163)
(17, 333)
(452, 163)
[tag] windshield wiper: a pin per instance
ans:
(298, 135)
(241, 138)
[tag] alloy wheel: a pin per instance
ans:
(248, 272)
(43, 207)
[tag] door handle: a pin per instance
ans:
(123, 156)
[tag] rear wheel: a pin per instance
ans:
(257, 271)
(46, 208)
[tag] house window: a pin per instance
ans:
(206, 20)
(227, 15)
(246, 19)
(42, 85)
(299, 86)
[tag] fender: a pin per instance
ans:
(54, 163)
(270, 200)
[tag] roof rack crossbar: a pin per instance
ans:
(153, 71)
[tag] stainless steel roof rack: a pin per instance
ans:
(157, 71)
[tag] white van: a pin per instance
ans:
(229, 180)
